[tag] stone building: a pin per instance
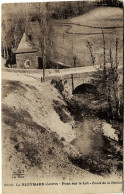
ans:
(26, 55)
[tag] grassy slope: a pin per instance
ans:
(29, 141)
(38, 135)
(79, 30)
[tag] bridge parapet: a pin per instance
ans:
(71, 81)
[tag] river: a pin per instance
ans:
(96, 140)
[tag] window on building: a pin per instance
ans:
(27, 63)
(30, 38)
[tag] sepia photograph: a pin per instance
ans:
(62, 97)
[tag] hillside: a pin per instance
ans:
(41, 136)
(66, 38)
(32, 134)
(69, 37)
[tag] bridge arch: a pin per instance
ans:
(85, 88)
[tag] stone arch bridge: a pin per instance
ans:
(74, 77)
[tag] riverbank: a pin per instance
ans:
(98, 137)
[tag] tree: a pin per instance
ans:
(42, 9)
(13, 25)
(113, 83)
(89, 45)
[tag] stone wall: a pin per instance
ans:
(22, 60)
(71, 81)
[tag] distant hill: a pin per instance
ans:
(18, 18)
(70, 36)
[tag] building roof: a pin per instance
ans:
(25, 46)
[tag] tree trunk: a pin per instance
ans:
(44, 39)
